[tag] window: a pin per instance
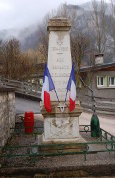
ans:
(100, 81)
(111, 81)
(105, 82)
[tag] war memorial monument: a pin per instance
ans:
(60, 126)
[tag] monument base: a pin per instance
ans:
(60, 124)
(61, 129)
(64, 146)
(43, 141)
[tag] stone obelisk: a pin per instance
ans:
(60, 127)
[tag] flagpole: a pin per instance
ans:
(66, 96)
(56, 95)
(62, 109)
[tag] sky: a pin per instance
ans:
(22, 13)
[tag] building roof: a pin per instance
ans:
(102, 67)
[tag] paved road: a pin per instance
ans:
(23, 105)
(106, 122)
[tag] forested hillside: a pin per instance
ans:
(93, 31)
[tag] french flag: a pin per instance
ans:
(48, 86)
(72, 88)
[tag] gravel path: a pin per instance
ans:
(61, 162)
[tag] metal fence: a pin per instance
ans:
(22, 87)
(29, 154)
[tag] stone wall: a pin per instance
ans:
(7, 114)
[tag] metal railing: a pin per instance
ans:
(22, 87)
(28, 155)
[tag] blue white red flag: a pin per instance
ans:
(48, 86)
(71, 86)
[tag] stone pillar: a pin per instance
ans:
(59, 55)
(60, 126)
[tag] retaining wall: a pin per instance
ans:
(7, 113)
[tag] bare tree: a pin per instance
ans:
(62, 11)
(79, 41)
(15, 64)
(113, 23)
(67, 11)
(0, 49)
(79, 45)
(42, 48)
(11, 56)
(99, 25)
(26, 67)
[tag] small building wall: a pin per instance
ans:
(104, 92)
(104, 96)
(7, 114)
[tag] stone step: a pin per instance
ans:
(62, 148)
